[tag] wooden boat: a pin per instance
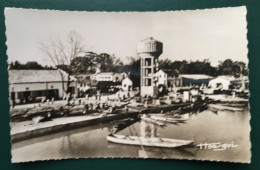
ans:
(235, 104)
(152, 142)
(185, 116)
(136, 106)
(123, 125)
(222, 107)
(148, 119)
(169, 119)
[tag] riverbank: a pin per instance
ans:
(90, 141)
(27, 129)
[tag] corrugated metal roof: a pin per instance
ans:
(30, 76)
(196, 76)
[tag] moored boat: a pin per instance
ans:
(148, 119)
(169, 119)
(152, 142)
(223, 107)
(238, 105)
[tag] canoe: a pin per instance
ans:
(185, 116)
(169, 119)
(222, 107)
(148, 119)
(152, 142)
(243, 105)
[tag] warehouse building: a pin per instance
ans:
(34, 85)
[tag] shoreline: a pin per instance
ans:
(21, 131)
(66, 123)
(58, 127)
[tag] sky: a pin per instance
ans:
(214, 34)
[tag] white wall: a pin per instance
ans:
(162, 78)
(104, 77)
(147, 90)
(126, 83)
(225, 83)
(41, 86)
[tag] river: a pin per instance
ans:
(90, 142)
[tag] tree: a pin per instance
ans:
(62, 53)
(93, 61)
(82, 65)
(228, 67)
(33, 65)
(184, 67)
(30, 65)
(133, 69)
(108, 63)
(15, 65)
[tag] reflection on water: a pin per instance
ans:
(206, 126)
(148, 130)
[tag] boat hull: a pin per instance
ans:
(168, 119)
(223, 107)
(151, 142)
(147, 119)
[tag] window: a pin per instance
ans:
(148, 82)
(148, 62)
(147, 71)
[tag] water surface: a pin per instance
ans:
(207, 126)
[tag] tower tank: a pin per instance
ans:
(149, 50)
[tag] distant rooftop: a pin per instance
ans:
(107, 73)
(35, 76)
(196, 76)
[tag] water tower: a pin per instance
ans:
(149, 50)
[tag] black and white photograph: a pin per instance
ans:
(160, 85)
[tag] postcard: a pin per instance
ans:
(164, 85)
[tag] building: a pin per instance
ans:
(107, 76)
(82, 77)
(222, 82)
(33, 85)
(162, 78)
(241, 84)
(108, 86)
(127, 84)
(93, 77)
(195, 79)
(149, 50)
(174, 81)
(83, 86)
